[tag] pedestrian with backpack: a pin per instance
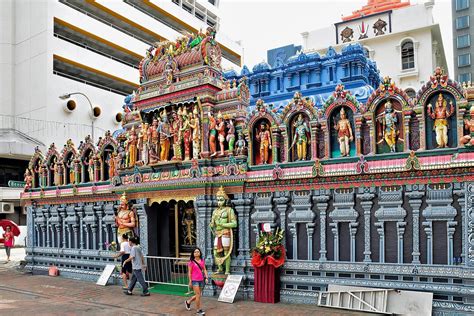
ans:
(198, 277)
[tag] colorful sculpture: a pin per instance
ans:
(468, 140)
(72, 172)
(153, 136)
(223, 220)
(196, 126)
(176, 135)
(125, 218)
(186, 130)
(28, 180)
(143, 143)
(265, 139)
(132, 147)
(241, 145)
(344, 133)
(230, 138)
(112, 166)
(91, 167)
(221, 132)
(164, 131)
(440, 116)
(300, 138)
(389, 122)
(212, 134)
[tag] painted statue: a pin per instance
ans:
(143, 143)
(176, 135)
(112, 165)
(344, 133)
(165, 136)
(196, 134)
(153, 156)
(125, 218)
(241, 146)
(223, 220)
(186, 129)
(56, 175)
(230, 138)
(72, 171)
(153, 136)
(212, 134)
(28, 180)
(91, 167)
(389, 126)
(440, 115)
(468, 140)
(265, 139)
(43, 171)
(188, 225)
(221, 132)
(301, 138)
(132, 147)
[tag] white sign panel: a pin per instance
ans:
(104, 277)
(230, 288)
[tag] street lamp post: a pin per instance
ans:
(68, 95)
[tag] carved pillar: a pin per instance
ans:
(335, 232)
(302, 213)
(407, 131)
(203, 233)
(422, 131)
(80, 212)
(357, 138)
(143, 223)
(242, 204)
(48, 226)
(294, 233)
(99, 229)
(353, 232)
(469, 226)
(381, 231)
(263, 205)
(429, 241)
(450, 232)
(31, 238)
(310, 231)
(77, 232)
(281, 199)
(321, 201)
(314, 143)
(366, 195)
(285, 154)
(415, 194)
(400, 232)
(459, 190)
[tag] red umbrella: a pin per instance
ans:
(6, 222)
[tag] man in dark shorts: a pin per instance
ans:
(125, 253)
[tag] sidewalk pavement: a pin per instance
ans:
(22, 294)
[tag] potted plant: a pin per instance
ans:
(267, 256)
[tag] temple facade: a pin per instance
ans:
(372, 188)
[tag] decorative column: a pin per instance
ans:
(108, 222)
(47, 228)
(429, 241)
(469, 226)
(314, 143)
(335, 232)
(281, 202)
(353, 232)
(79, 210)
(415, 195)
(204, 239)
(450, 231)
(366, 196)
(285, 154)
(302, 213)
(32, 236)
(321, 199)
(460, 190)
(90, 225)
(381, 231)
(263, 205)
(140, 206)
(62, 215)
(400, 232)
(242, 204)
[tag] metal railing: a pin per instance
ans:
(167, 270)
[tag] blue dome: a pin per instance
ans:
(261, 67)
(231, 73)
(353, 48)
(245, 71)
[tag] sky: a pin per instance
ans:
(265, 24)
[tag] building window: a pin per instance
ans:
(408, 55)
(462, 22)
(410, 92)
(464, 77)
(462, 4)
(464, 60)
(463, 41)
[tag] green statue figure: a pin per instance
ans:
(222, 222)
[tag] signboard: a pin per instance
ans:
(230, 288)
(104, 277)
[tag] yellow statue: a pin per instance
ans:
(440, 115)
(300, 138)
(125, 218)
(389, 126)
(222, 222)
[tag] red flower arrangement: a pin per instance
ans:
(269, 249)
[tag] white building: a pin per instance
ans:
(52, 47)
(403, 39)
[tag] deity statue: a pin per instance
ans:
(43, 171)
(265, 139)
(153, 156)
(344, 133)
(72, 172)
(223, 220)
(440, 116)
(112, 166)
(301, 137)
(125, 218)
(188, 225)
(468, 140)
(91, 167)
(389, 122)
(186, 129)
(28, 180)
(153, 136)
(230, 138)
(143, 143)
(132, 147)
(212, 134)
(241, 146)
(195, 125)
(221, 132)
(176, 134)
(55, 168)
(165, 135)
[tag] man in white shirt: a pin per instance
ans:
(125, 249)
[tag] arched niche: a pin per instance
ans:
(340, 133)
(69, 169)
(261, 142)
(388, 126)
(440, 118)
(299, 136)
(106, 155)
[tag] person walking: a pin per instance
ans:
(138, 267)
(9, 241)
(125, 253)
(198, 276)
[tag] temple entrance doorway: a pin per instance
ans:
(171, 228)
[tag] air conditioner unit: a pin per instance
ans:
(7, 208)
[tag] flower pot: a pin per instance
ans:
(266, 284)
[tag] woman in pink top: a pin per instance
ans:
(9, 240)
(197, 275)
